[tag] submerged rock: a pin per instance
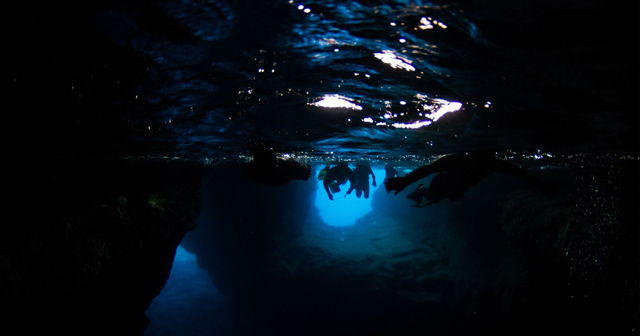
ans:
(86, 245)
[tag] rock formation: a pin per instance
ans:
(85, 245)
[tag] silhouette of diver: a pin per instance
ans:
(338, 176)
(361, 173)
(269, 169)
(456, 174)
(390, 172)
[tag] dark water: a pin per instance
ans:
(549, 85)
(204, 79)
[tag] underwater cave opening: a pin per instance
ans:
(345, 210)
(189, 302)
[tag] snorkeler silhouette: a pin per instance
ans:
(390, 172)
(456, 174)
(361, 173)
(338, 176)
(269, 169)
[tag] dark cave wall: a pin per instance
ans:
(85, 245)
(518, 256)
(243, 221)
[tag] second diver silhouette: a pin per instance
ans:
(456, 173)
(390, 172)
(361, 173)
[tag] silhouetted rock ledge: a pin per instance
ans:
(85, 245)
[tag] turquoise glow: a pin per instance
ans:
(344, 211)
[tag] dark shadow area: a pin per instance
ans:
(85, 245)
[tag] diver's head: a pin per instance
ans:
(323, 173)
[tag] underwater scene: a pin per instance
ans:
(322, 167)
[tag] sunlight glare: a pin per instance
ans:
(336, 101)
(396, 62)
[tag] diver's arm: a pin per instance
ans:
(352, 182)
(446, 162)
(508, 168)
(399, 183)
(373, 176)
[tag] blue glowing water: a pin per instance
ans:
(188, 303)
(345, 209)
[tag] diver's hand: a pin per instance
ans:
(331, 197)
(398, 184)
(374, 184)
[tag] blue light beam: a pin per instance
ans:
(344, 211)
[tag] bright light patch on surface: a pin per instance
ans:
(336, 101)
(396, 62)
(414, 125)
(368, 120)
(435, 109)
(344, 211)
(425, 24)
(446, 107)
(429, 23)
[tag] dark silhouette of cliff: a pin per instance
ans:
(85, 245)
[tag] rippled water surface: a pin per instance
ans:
(207, 79)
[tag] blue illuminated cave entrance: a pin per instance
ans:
(344, 211)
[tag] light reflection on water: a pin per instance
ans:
(336, 101)
(434, 110)
(427, 110)
(404, 65)
(395, 61)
